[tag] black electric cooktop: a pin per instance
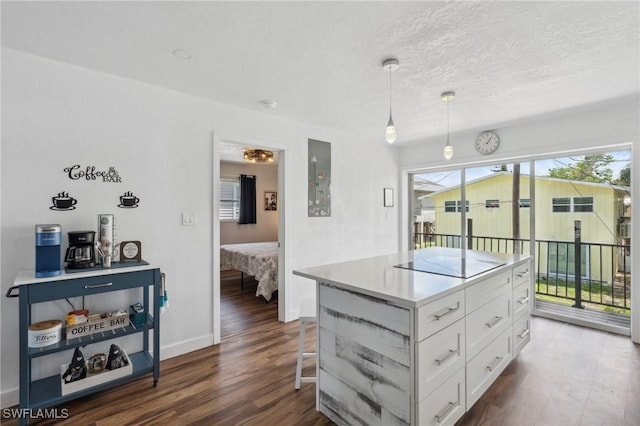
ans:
(452, 262)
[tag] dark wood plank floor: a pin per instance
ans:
(567, 375)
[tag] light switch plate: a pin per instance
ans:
(188, 219)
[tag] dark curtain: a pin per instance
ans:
(247, 199)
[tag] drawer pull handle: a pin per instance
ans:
(523, 273)
(494, 364)
(524, 334)
(447, 356)
(446, 312)
(98, 285)
(494, 322)
(445, 411)
(524, 300)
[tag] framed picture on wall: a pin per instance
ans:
(270, 200)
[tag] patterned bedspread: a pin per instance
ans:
(257, 259)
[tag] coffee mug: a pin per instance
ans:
(97, 362)
(129, 200)
(64, 202)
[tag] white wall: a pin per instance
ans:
(55, 115)
(266, 226)
(600, 127)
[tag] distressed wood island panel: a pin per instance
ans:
(364, 358)
(399, 345)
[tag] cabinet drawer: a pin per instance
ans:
(445, 405)
(487, 365)
(487, 322)
(521, 274)
(521, 300)
(439, 356)
(485, 291)
(73, 287)
(438, 314)
(521, 334)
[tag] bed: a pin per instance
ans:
(257, 259)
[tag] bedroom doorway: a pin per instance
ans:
(248, 284)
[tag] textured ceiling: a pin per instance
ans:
(321, 61)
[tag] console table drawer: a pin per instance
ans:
(487, 322)
(73, 287)
(445, 405)
(487, 365)
(435, 316)
(439, 356)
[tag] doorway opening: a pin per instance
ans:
(247, 277)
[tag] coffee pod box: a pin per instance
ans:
(111, 321)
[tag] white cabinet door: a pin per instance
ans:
(445, 405)
(487, 366)
(439, 357)
(484, 324)
(438, 314)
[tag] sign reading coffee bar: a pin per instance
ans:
(65, 202)
(92, 173)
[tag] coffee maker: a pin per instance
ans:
(48, 240)
(81, 252)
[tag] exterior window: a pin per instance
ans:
(524, 202)
(561, 205)
(582, 204)
(229, 200)
(575, 204)
(492, 204)
(454, 206)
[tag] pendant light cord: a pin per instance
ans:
(390, 71)
(448, 120)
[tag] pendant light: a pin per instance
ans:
(448, 149)
(390, 65)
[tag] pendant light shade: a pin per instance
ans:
(448, 149)
(390, 134)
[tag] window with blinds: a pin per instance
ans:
(229, 199)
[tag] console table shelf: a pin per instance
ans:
(47, 392)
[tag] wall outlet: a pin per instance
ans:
(188, 219)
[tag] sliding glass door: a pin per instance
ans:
(572, 213)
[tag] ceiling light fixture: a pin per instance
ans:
(390, 65)
(258, 156)
(269, 104)
(448, 149)
(182, 54)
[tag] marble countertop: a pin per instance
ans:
(381, 277)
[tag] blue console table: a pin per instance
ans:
(46, 392)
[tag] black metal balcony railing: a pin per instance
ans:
(605, 268)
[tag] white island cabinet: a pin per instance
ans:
(416, 338)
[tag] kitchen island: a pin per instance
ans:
(416, 337)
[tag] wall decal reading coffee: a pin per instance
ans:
(128, 201)
(90, 173)
(63, 201)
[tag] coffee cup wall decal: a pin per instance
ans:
(63, 201)
(128, 201)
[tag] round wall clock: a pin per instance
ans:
(487, 143)
(130, 250)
